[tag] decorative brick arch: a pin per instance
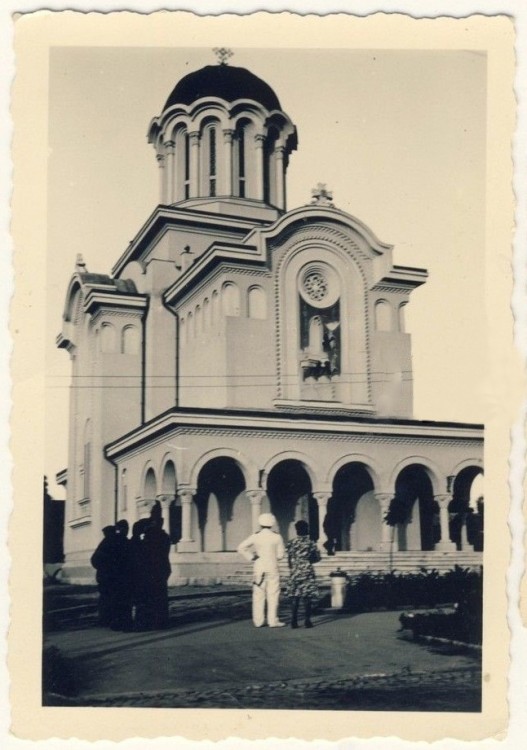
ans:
(167, 458)
(475, 463)
(371, 466)
(246, 466)
(149, 467)
(313, 470)
(434, 472)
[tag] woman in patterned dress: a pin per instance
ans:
(301, 554)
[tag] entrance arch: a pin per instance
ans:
(466, 508)
(168, 489)
(354, 516)
(415, 495)
(223, 515)
(290, 496)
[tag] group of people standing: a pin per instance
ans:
(132, 574)
(265, 548)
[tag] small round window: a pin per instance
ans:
(319, 285)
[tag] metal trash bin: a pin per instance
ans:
(339, 581)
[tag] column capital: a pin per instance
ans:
(166, 497)
(194, 137)
(255, 496)
(186, 494)
(259, 139)
(170, 145)
(384, 499)
(160, 159)
(443, 499)
(228, 135)
(322, 496)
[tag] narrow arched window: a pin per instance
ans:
(190, 326)
(212, 161)
(383, 315)
(206, 313)
(198, 320)
(257, 303)
(241, 162)
(187, 165)
(230, 297)
(107, 338)
(130, 340)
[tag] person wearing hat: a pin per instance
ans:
(265, 548)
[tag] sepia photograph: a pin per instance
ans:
(266, 345)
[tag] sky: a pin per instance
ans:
(398, 136)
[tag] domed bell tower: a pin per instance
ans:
(222, 141)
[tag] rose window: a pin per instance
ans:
(316, 286)
(319, 285)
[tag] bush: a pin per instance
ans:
(427, 588)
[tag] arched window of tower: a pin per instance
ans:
(230, 296)
(198, 320)
(383, 315)
(257, 303)
(107, 338)
(130, 340)
(269, 167)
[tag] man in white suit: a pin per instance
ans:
(265, 548)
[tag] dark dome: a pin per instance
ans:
(225, 82)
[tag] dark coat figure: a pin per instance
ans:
(139, 573)
(122, 614)
(103, 560)
(157, 550)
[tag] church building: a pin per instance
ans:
(243, 358)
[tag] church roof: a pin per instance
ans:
(124, 286)
(226, 82)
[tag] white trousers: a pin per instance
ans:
(266, 588)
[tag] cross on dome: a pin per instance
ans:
(223, 54)
(321, 196)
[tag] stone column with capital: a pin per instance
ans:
(259, 142)
(228, 135)
(280, 177)
(194, 139)
(444, 545)
(186, 543)
(256, 497)
(170, 171)
(387, 532)
(165, 502)
(322, 499)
